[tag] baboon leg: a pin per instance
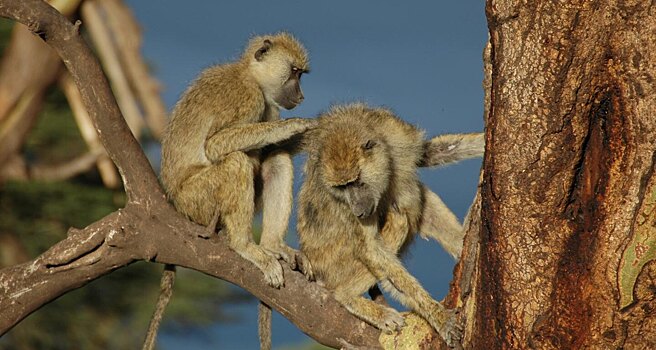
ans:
(277, 179)
(236, 204)
(227, 187)
(452, 148)
(439, 222)
(404, 287)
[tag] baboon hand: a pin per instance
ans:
(296, 260)
(283, 252)
(304, 265)
(303, 124)
(391, 321)
(272, 270)
(451, 329)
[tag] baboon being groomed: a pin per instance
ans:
(362, 202)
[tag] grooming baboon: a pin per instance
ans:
(215, 161)
(361, 203)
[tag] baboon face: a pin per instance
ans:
(290, 94)
(356, 170)
(278, 69)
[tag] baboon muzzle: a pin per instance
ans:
(361, 201)
(290, 95)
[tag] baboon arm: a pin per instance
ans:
(292, 145)
(380, 258)
(452, 148)
(247, 137)
(439, 223)
(385, 265)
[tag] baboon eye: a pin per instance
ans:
(297, 72)
(355, 182)
(369, 144)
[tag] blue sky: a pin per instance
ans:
(422, 59)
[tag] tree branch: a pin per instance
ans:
(129, 234)
(27, 69)
(18, 169)
(148, 228)
(128, 37)
(101, 37)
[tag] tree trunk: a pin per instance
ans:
(564, 258)
(560, 249)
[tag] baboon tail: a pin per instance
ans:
(264, 325)
(452, 148)
(166, 290)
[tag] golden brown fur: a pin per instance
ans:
(360, 205)
(211, 152)
(219, 160)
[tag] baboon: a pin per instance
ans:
(361, 203)
(219, 160)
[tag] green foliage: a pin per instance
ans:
(641, 248)
(192, 306)
(119, 303)
(55, 137)
(40, 213)
(5, 31)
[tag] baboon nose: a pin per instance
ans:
(364, 213)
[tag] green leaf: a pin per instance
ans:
(641, 248)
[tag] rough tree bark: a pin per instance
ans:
(148, 228)
(565, 255)
(562, 255)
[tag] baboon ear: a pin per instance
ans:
(266, 45)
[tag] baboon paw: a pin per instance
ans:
(310, 124)
(266, 261)
(392, 321)
(303, 124)
(314, 123)
(304, 266)
(284, 253)
(273, 273)
(452, 329)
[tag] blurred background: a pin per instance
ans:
(422, 59)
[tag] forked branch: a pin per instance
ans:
(148, 228)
